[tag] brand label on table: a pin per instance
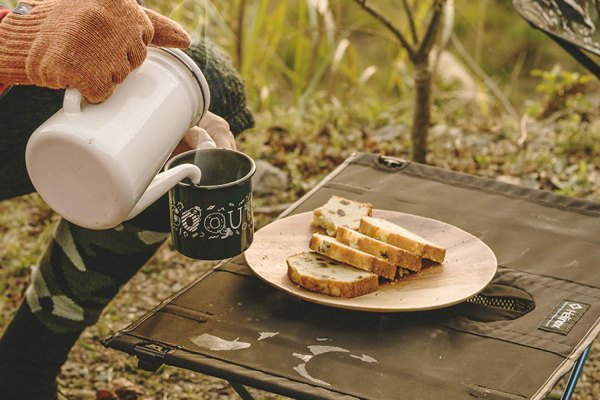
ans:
(564, 317)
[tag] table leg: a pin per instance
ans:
(575, 374)
(241, 390)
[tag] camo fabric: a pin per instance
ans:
(82, 270)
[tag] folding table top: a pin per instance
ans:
(511, 341)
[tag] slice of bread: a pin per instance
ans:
(339, 211)
(402, 273)
(395, 235)
(321, 274)
(330, 247)
(388, 252)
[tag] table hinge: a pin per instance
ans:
(150, 356)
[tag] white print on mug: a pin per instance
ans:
(218, 224)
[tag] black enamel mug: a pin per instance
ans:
(213, 220)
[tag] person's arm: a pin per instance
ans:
(90, 45)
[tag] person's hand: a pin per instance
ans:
(211, 132)
(90, 45)
(217, 129)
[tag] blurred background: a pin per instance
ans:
(505, 98)
(326, 78)
(301, 51)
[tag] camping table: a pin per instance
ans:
(512, 341)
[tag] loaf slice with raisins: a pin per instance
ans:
(330, 247)
(377, 248)
(398, 236)
(339, 211)
(321, 274)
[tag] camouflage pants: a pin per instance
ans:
(82, 269)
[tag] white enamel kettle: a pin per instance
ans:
(98, 164)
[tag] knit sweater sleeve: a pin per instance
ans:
(227, 88)
(3, 12)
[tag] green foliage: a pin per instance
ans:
(507, 47)
(575, 131)
(289, 51)
(561, 89)
(579, 137)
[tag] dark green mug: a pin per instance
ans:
(213, 220)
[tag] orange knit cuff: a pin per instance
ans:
(91, 46)
(3, 13)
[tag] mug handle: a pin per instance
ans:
(162, 183)
(72, 101)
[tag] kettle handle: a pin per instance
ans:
(72, 101)
(162, 183)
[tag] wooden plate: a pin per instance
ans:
(469, 265)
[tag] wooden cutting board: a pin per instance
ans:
(469, 265)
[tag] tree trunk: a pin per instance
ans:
(239, 43)
(421, 112)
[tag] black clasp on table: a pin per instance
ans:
(150, 356)
(392, 163)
